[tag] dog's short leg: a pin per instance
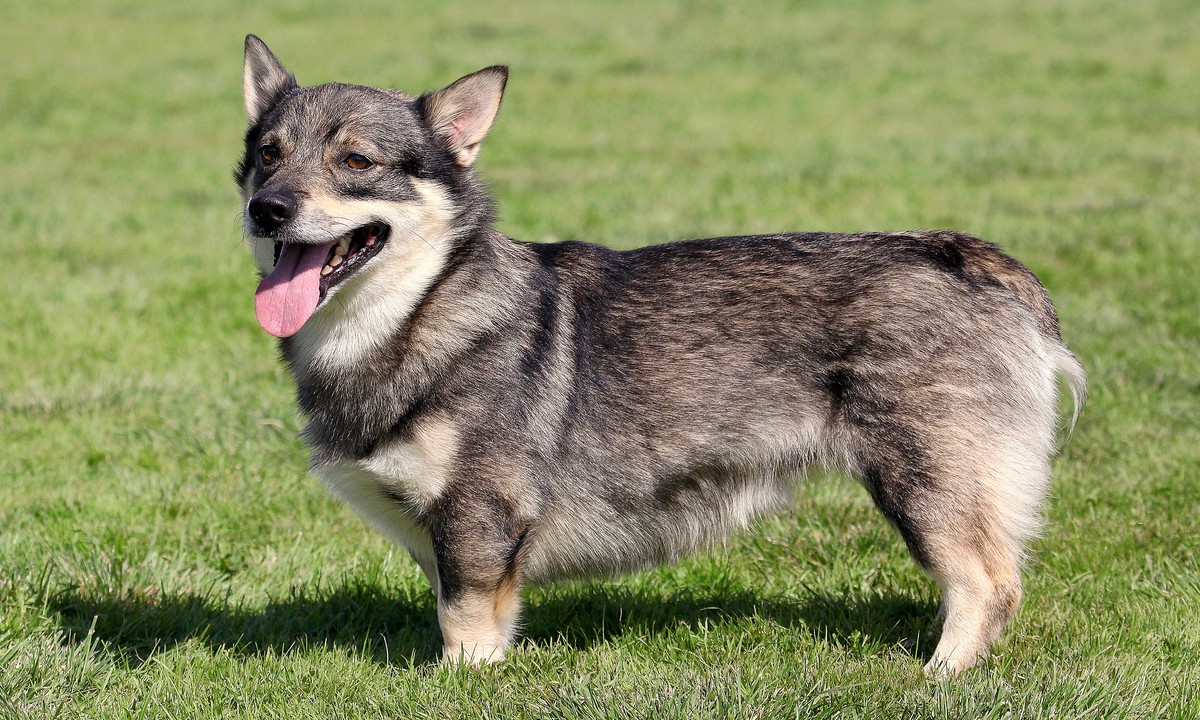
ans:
(978, 540)
(981, 594)
(478, 624)
(479, 589)
(965, 532)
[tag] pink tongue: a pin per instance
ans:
(286, 298)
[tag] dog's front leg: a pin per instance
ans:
(479, 588)
(477, 624)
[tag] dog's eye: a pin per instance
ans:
(268, 153)
(358, 162)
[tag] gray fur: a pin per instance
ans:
(516, 412)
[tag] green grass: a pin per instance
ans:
(162, 553)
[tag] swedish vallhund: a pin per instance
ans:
(517, 412)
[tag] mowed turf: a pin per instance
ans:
(163, 554)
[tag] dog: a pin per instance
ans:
(515, 412)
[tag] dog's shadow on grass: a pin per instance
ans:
(592, 614)
(392, 628)
(402, 629)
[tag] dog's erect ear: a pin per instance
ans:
(265, 81)
(461, 114)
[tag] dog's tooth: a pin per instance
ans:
(326, 270)
(341, 249)
(335, 261)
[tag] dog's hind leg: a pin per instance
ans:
(965, 516)
(981, 594)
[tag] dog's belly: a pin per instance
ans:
(599, 526)
(590, 537)
(583, 537)
(622, 519)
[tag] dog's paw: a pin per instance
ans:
(474, 654)
(948, 666)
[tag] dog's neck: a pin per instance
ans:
(366, 366)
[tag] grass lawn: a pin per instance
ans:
(163, 554)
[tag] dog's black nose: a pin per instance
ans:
(270, 209)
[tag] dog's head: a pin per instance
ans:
(341, 181)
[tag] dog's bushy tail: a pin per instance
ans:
(1072, 371)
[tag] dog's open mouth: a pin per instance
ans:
(349, 254)
(303, 275)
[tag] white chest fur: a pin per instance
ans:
(400, 478)
(386, 488)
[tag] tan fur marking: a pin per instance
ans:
(507, 606)
(981, 584)
(481, 624)
(471, 630)
(418, 468)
